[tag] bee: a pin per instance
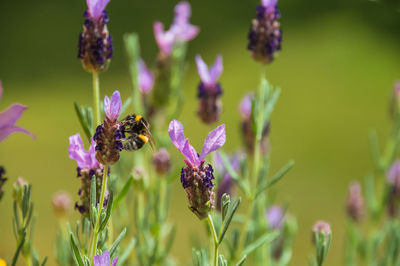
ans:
(139, 134)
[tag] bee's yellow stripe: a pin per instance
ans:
(144, 138)
(138, 117)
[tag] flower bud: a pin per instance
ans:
(321, 228)
(355, 206)
(162, 161)
(19, 188)
(62, 204)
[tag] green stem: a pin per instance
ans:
(215, 237)
(93, 244)
(96, 97)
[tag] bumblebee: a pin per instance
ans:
(139, 134)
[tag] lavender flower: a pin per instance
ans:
(162, 161)
(180, 31)
(146, 79)
(9, 117)
(395, 100)
(321, 227)
(265, 35)
(61, 203)
(226, 184)
(196, 176)
(247, 129)
(88, 167)
(209, 90)
(393, 180)
(109, 134)
(275, 217)
(95, 43)
(2, 180)
(355, 206)
(104, 259)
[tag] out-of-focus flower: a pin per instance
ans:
(265, 35)
(9, 117)
(109, 134)
(209, 90)
(104, 259)
(146, 78)
(3, 262)
(395, 100)
(393, 180)
(180, 31)
(95, 43)
(162, 161)
(18, 189)
(355, 206)
(3, 179)
(88, 167)
(321, 227)
(196, 177)
(227, 183)
(62, 203)
(275, 217)
(247, 129)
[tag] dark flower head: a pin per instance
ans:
(3, 179)
(108, 135)
(210, 90)
(162, 161)
(355, 206)
(197, 177)
(265, 35)
(95, 43)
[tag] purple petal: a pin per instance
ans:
(216, 69)
(102, 260)
(146, 79)
(114, 262)
(11, 115)
(96, 7)
(112, 107)
(83, 158)
(182, 13)
(245, 106)
(202, 69)
(6, 131)
(183, 31)
(175, 131)
(215, 140)
(275, 217)
(165, 40)
(269, 4)
(190, 153)
(92, 162)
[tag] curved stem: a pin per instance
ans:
(96, 97)
(215, 237)
(93, 244)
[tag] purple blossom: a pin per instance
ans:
(209, 76)
(146, 78)
(96, 7)
(104, 259)
(269, 5)
(9, 117)
(214, 140)
(245, 105)
(84, 159)
(180, 31)
(393, 175)
(275, 217)
(112, 107)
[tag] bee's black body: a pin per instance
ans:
(138, 129)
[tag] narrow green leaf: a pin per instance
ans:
(124, 191)
(228, 219)
(269, 107)
(77, 253)
(241, 261)
(116, 242)
(82, 120)
(127, 252)
(170, 240)
(16, 217)
(21, 244)
(93, 200)
(108, 212)
(266, 238)
(225, 203)
(275, 178)
(44, 261)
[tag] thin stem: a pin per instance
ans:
(96, 97)
(215, 237)
(93, 245)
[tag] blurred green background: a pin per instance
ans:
(336, 70)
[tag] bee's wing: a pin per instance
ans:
(151, 139)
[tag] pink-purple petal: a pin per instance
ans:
(216, 70)
(6, 131)
(245, 106)
(11, 115)
(102, 260)
(182, 13)
(175, 131)
(202, 69)
(112, 107)
(164, 39)
(96, 7)
(84, 159)
(190, 153)
(269, 4)
(146, 78)
(215, 140)
(114, 262)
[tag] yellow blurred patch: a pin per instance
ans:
(138, 117)
(144, 138)
(3, 262)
